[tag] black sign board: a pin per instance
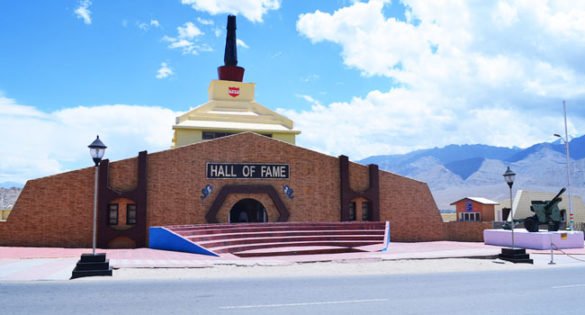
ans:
(244, 170)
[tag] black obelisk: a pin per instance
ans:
(230, 70)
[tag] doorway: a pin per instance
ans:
(248, 211)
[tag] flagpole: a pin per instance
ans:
(567, 153)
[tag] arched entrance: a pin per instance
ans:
(248, 210)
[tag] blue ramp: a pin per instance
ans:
(162, 238)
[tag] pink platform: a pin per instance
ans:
(534, 240)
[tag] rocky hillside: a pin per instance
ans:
(455, 172)
(8, 197)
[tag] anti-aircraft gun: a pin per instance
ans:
(545, 212)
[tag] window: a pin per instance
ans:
(208, 135)
(469, 217)
(130, 214)
(352, 211)
(366, 216)
(113, 214)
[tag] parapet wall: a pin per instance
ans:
(466, 231)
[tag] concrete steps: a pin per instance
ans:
(272, 239)
(303, 250)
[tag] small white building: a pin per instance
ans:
(522, 199)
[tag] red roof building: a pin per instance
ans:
(475, 209)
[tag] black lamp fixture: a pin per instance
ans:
(97, 149)
(509, 176)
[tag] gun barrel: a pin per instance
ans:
(556, 199)
(560, 193)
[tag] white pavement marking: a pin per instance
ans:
(64, 274)
(53, 269)
(569, 286)
(301, 304)
(16, 266)
(37, 269)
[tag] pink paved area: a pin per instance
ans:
(402, 250)
(147, 253)
(43, 263)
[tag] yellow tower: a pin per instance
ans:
(231, 107)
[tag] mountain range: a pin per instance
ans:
(458, 171)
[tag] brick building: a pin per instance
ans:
(232, 160)
(476, 209)
(185, 186)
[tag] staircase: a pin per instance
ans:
(270, 239)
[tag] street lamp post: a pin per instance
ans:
(94, 264)
(515, 255)
(509, 176)
(97, 149)
(568, 157)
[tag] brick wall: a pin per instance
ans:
(52, 211)
(57, 210)
(410, 208)
(177, 176)
(466, 231)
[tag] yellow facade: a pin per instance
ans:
(231, 108)
(4, 214)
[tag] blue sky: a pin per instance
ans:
(63, 62)
(358, 78)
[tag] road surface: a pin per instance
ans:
(541, 291)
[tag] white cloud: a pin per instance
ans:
(164, 71)
(241, 43)
(463, 72)
(61, 137)
(83, 12)
(203, 21)
(189, 31)
(252, 10)
(187, 40)
(143, 26)
(310, 78)
(146, 26)
(309, 99)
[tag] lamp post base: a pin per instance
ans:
(92, 265)
(515, 255)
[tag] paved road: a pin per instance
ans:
(553, 291)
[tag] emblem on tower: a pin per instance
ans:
(234, 91)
